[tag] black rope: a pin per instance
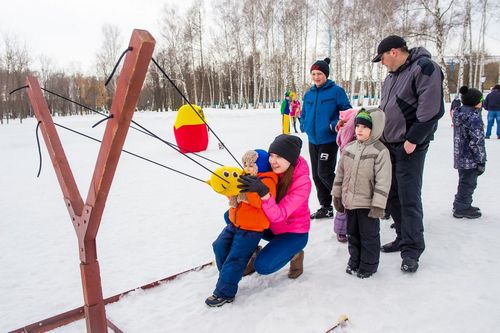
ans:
(185, 99)
(135, 128)
(17, 89)
(133, 154)
(130, 48)
(178, 150)
(102, 120)
(74, 102)
(39, 150)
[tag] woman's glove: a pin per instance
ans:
(376, 213)
(252, 184)
(337, 203)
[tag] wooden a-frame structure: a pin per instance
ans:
(86, 216)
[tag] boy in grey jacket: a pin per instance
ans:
(361, 186)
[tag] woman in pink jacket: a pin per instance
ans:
(288, 213)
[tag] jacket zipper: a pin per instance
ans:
(316, 115)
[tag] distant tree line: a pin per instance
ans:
(248, 53)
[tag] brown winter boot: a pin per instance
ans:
(296, 265)
(250, 269)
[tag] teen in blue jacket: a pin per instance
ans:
(320, 114)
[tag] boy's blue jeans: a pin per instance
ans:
(492, 116)
(279, 251)
(233, 248)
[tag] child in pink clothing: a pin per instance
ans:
(345, 133)
(295, 110)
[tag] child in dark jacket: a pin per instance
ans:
(469, 151)
(240, 238)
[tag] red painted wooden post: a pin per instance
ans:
(86, 218)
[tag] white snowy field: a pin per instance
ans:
(157, 223)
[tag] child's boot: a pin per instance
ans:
(216, 301)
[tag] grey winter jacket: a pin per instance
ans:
(363, 176)
(412, 99)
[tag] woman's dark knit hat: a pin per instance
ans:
(470, 96)
(322, 65)
(286, 146)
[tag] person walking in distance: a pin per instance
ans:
(492, 105)
(320, 114)
(412, 100)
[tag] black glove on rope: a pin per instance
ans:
(252, 184)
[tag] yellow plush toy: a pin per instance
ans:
(224, 180)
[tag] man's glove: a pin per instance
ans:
(480, 168)
(252, 184)
(376, 213)
(337, 203)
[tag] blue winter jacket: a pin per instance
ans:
(320, 112)
(468, 138)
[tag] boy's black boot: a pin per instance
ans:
(351, 270)
(470, 213)
(364, 274)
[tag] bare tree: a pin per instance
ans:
(16, 60)
(440, 26)
(108, 54)
(175, 47)
(466, 23)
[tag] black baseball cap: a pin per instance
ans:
(388, 43)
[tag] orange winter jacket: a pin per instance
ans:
(250, 216)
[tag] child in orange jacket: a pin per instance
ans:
(239, 239)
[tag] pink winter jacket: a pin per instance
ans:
(292, 213)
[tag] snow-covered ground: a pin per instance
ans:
(157, 223)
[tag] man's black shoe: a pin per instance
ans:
(322, 213)
(409, 265)
(469, 213)
(391, 247)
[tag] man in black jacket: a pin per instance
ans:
(412, 99)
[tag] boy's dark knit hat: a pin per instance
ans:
(286, 146)
(496, 87)
(364, 118)
(322, 65)
(470, 96)
(387, 44)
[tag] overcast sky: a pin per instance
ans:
(69, 32)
